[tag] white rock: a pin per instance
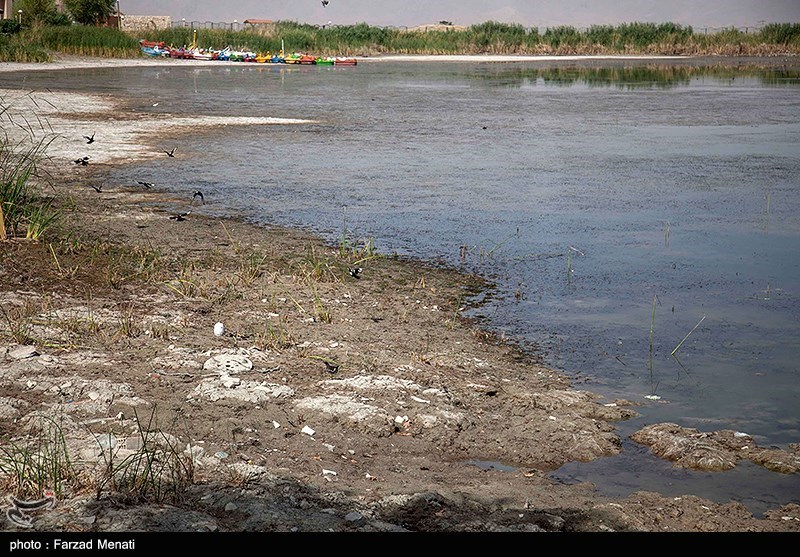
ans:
(219, 329)
(328, 472)
(230, 507)
(22, 352)
(275, 424)
(228, 363)
(307, 430)
(230, 382)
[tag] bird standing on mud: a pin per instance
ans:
(200, 195)
(84, 161)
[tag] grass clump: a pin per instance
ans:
(38, 462)
(24, 211)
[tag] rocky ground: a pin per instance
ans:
(332, 399)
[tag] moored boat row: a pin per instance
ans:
(160, 49)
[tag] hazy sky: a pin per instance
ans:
(530, 13)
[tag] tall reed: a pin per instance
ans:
(362, 39)
(22, 207)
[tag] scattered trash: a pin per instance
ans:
(740, 434)
(653, 397)
(275, 424)
(219, 329)
(422, 400)
(328, 472)
(399, 420)
(307, 430)
(221, 455)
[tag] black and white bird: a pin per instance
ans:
(355, 272)
(98, 189)
(147, 185)
(199, 194)
(84, 161)
(89, 139)
(171, 153)
(180, 216)
(332, 367)
(324, 3)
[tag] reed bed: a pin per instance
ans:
(491, 37)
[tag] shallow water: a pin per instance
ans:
(591, 192)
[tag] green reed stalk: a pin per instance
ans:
(687, 335)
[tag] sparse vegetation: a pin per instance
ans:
(23, 208)
(39, 461)
(157, 471)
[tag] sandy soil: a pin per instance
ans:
(332, 400)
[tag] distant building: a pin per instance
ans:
(144, 22)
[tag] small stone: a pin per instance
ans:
(219, 329)
(328, 472)
(94, 395)
(221, 455)
(230, 507)
(354, 516)
(307, 430)
(275, 424)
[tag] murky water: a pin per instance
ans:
(606, 199)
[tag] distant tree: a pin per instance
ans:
(58, 18)
(36, 11)
(90, 12)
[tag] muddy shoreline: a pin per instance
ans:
(334, 399)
